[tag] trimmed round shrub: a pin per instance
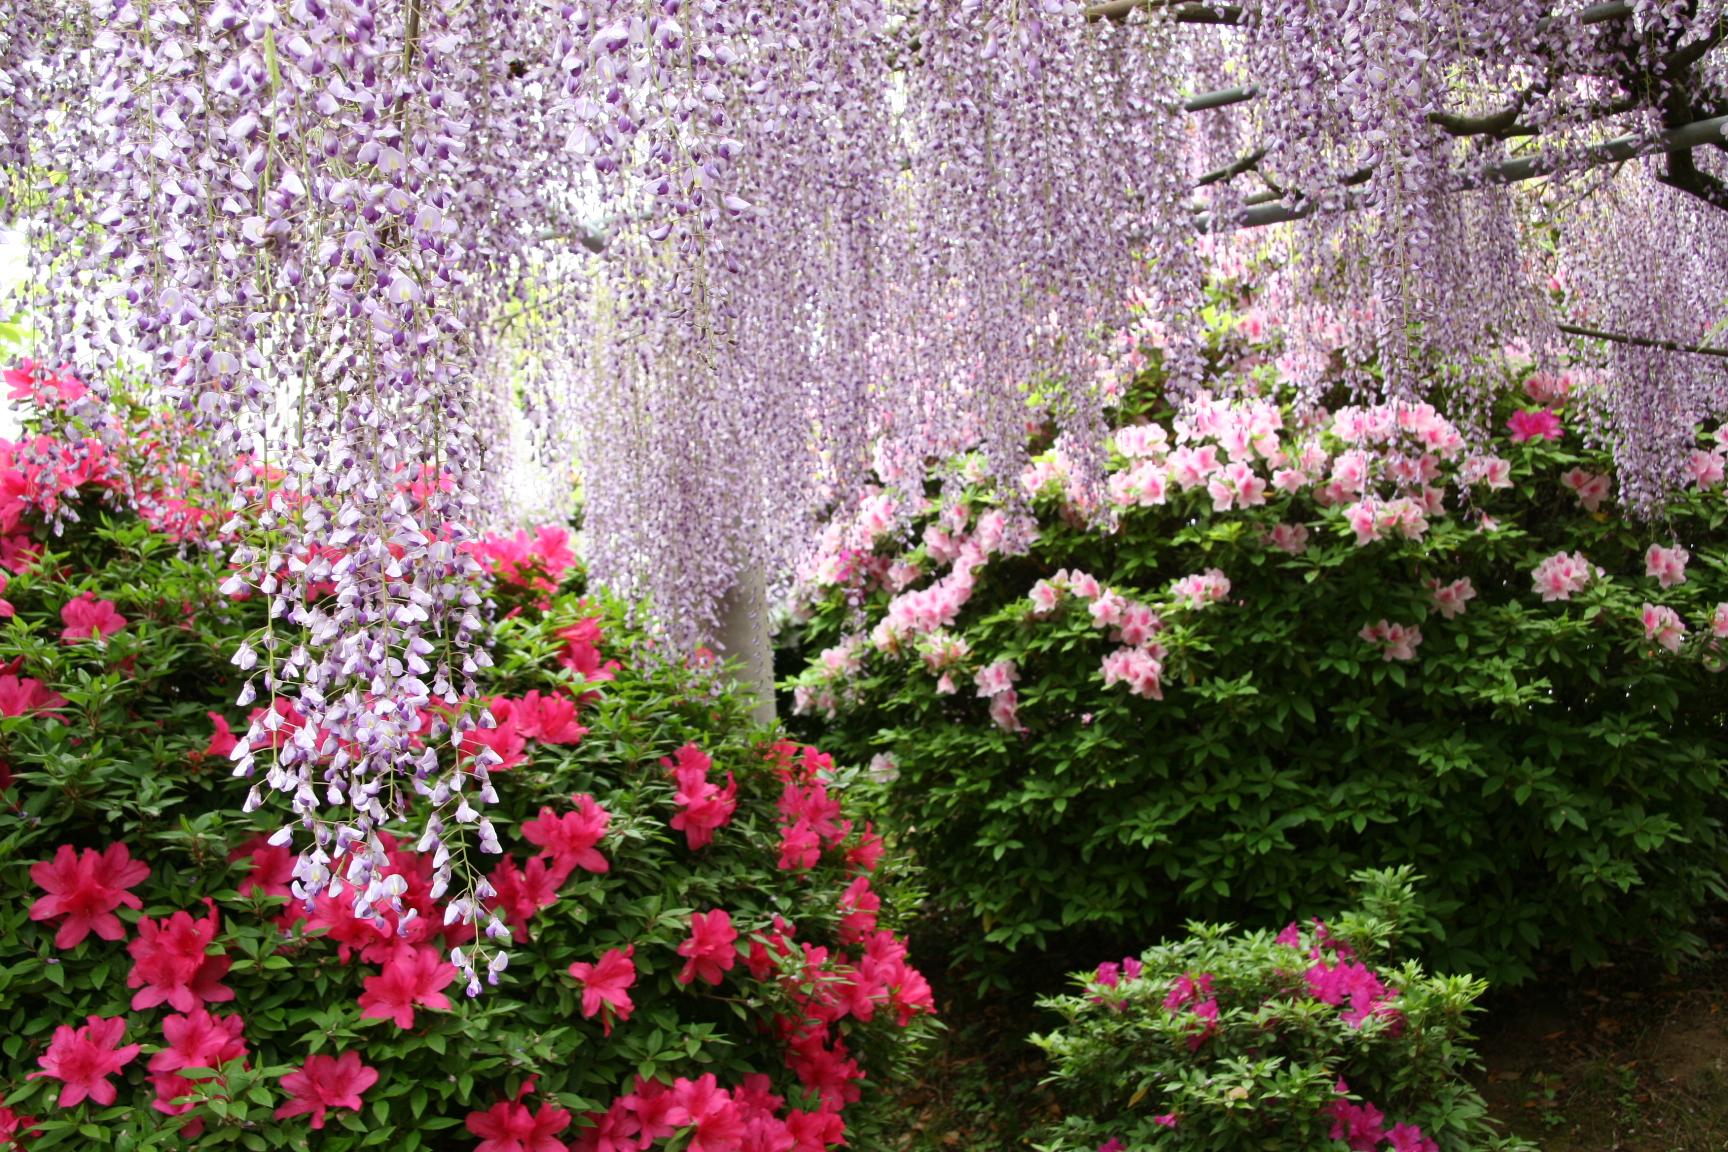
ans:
(1309, 1038)
(702, 947)
(1271, 653)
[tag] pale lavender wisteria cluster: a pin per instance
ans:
(730, 257)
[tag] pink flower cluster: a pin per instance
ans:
(537, 561)
(1563, 575)
(1395, 641)
(1363, 1127)
(703, 806)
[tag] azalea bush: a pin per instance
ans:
(701, 942)
(1268, 653)
(1314, 1037)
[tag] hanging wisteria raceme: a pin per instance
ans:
(1390, 124)
(307, 217)
(725, 257)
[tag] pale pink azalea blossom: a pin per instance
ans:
(1667, 566)
(1291, 538)
(1450, 599)
(1201, 589)
(997, 678)
(1591, 488)
(1395, 641)
(1562, 575)
(1663, 625)
(1138, 669)
(1706, 469)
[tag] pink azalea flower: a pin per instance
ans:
(1450, 599)
(21, 696)
(1201, 589)
(1666, 565)
(703, 806)
(1706, 469)
(171, 964)
(703, 1105)
(87, 618)
(1542, 424)
(570, 837)
(83, 1058)
(1005, 711)
(520, 893)
(995, 679)
(1291, 538)
(323, 1083)
(605, 985)
(1591, 488)
(1409, 1138)
(712, 948)
(1395, 641)
(85, 888)
(412, 978)
(1562, 575)
(512, 1126)
(1663, 625)
(1719, 622)
(1136, 668)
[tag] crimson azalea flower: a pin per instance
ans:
(196, 1040)
(522, 893)
(14, 1127)
(20, 696)
(712, 948)
(83, 1058)
(707, 1107)
(703, 807)
(604, 985)
(412, 977)
(171, 964)
(511, 1126)
(85, 888)
(326, 1082)
(223, 740)
(87, 618)
(569, 838)
(1543, 424)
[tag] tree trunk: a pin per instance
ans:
(743, 637)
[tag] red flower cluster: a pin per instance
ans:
(536, 562)
(83, 890)
(703, 806)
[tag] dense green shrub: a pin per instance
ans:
(1289, 653)
(702, 950)
(1260, 1042)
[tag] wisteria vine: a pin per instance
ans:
(728, 258)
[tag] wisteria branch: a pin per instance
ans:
(1642, 341)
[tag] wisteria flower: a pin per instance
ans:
(85, 888)
(83, 1058)
(326, 1082)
